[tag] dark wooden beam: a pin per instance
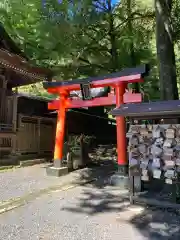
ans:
(143, 70)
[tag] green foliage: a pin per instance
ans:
(87, 38)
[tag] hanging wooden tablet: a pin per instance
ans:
(143, 131)
(169, 164)
(142, 148)
(170, 174)
(177, 131)
(150, 127)
(133, 141)
(134, 129)
(168, 143)
(156, 163)
(170, 133)
(145, 178)
(177, 149)
(168, 181)
(168, 152)
(141, 139)
(177, 161)
(159, 141)
(144, 163)
(156, 132)
(156, 173)
(129, 134)
(156, 151)
(135, 152)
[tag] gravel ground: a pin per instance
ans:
(18, 182)
(94, 211)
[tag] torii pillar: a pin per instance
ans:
(120, 178)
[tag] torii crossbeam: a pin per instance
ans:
(118, 81)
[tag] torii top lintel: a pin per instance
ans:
(128, 75)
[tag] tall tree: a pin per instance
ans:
(165, 50)
(131, 47)
(86, 38)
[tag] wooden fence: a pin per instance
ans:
(35, 135)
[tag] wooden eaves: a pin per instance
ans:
(150, 110)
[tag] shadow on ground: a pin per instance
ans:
(100, 197)
(158, 224)
(101, 171)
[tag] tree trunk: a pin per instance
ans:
(165, 50)
(112, 36)
(131, 47)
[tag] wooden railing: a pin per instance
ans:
(7, 139)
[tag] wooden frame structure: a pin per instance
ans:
(168, 156)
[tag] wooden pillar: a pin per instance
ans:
(14, 124)
(3, 101)
(14, 113)
(39, 136)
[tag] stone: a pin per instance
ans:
(120, 181)
(121, 177)
(57, 172)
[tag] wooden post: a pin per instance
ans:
(14, 113)
(39, 136)
(14, 124)
(3, 99)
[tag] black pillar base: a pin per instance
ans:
(57, 169)
(121, 178)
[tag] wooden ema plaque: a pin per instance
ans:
(160, 156)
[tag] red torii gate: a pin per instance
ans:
(119, 82)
